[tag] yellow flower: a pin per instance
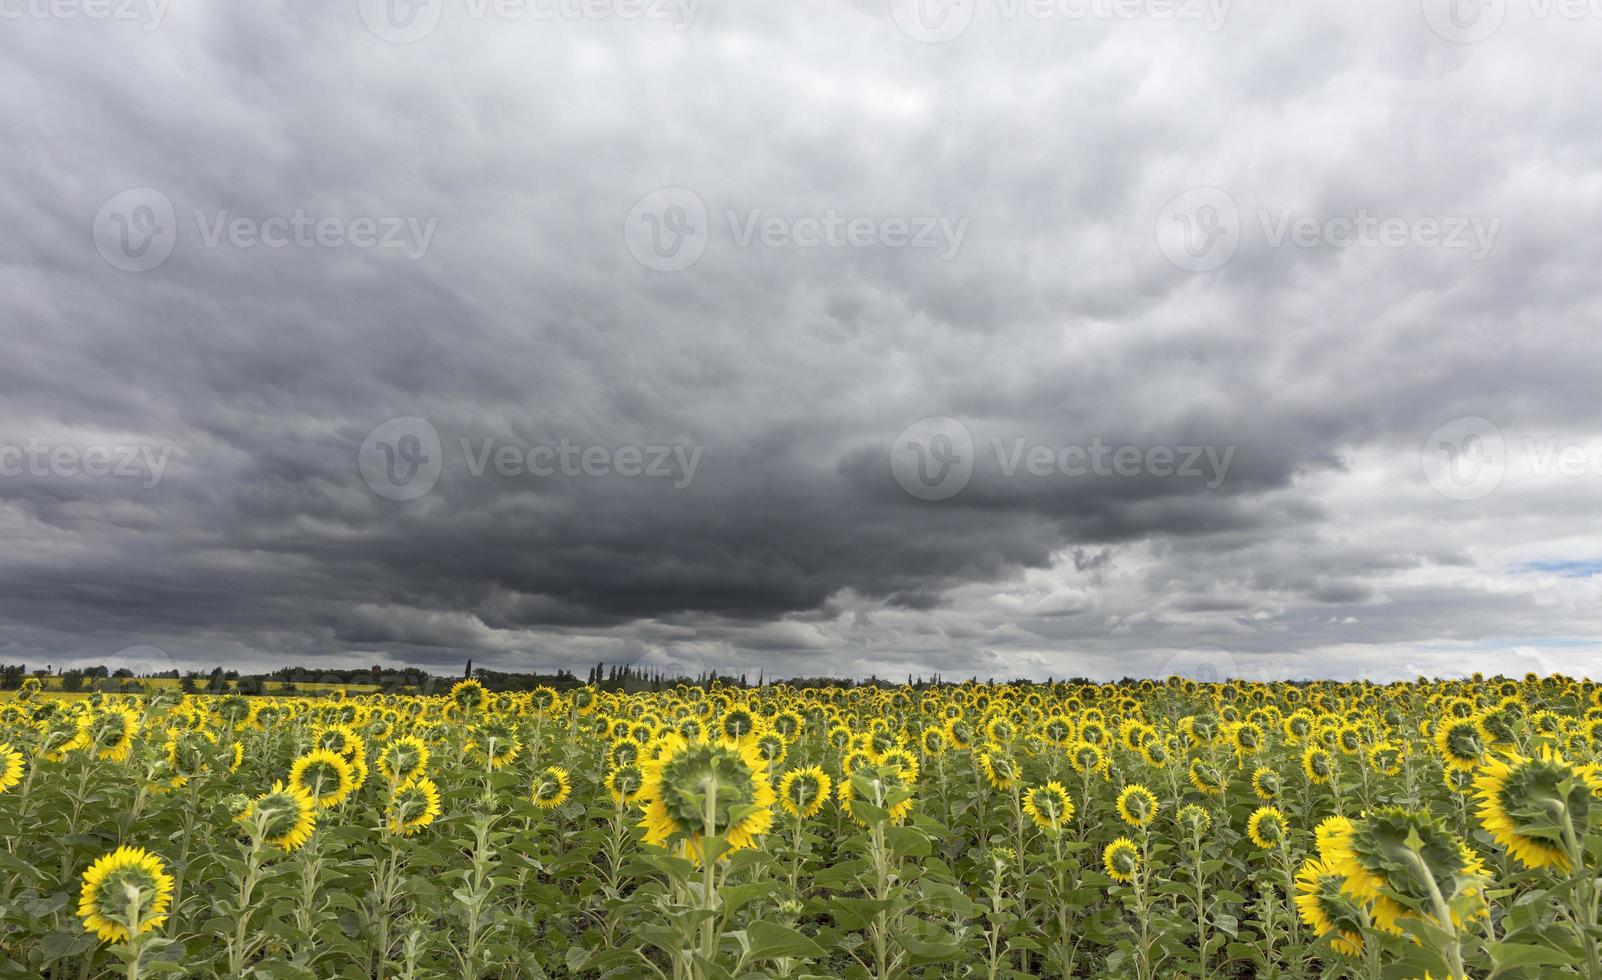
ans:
(1317, 765)
(1266, 827)
(323, 775)
(1266, 783)
(802, 792)
(1523, 802)
(696, 788)
(552, 787)
(1206, 777)
(1385, 758)
(1137, 805)
(625, 782)
(468, 694)
(1325, 908)
(287, 816)
(1049, 806)
(110, 733)
(125, 894)
(1000, 768)
(1121, 860)
(11, 766)
(412, 806)
(1459, 742)
(404, 759)
(886, 780)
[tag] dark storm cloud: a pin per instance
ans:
(507, 156)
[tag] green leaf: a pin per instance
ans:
(770, 940)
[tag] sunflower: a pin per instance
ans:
(412, 806)
(110, 733)
(1385, 758)
(467, 695)
(323, 775)
(1247, 738)
(11, 766)
(495, 739)
(1193, 819)
(1385, 856)
(285, 816)
(1326, 909)
(624, 782)
(1206, 777)
(802, 792)
(404, 759)
(1317, 765)
(1524, 803)
(1460, 743)
(1086, 759)
(1049, 806)
(1266, 827)
(1137, 805)
(125, 893)
(1155, 751)
(1121, 860)
(701, 788)
(1328, 831)
(1266, 783)
(551, 788)
(1000, 768)
(882, 784)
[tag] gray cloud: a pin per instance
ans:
(527, 321)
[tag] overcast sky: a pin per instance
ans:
(990, 338)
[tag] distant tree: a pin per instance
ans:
(72, 681)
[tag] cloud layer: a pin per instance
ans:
(1304, 240)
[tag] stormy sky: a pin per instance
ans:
(973, 337)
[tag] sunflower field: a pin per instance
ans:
(1152, 829)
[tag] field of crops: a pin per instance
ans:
(1145, 830)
